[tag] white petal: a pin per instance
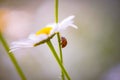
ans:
(74, 26)
(67, 19)
(32, 39)
(67, 22)
(37, 38)
(55, 29)
(18, 47)
(21, 44)
(52, 25)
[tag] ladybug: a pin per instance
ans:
(63, 42)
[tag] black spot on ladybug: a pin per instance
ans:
(63, 42)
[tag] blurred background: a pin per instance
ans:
(92, 53)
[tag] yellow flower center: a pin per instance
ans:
(45, 30)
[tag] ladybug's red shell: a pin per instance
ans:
(63, 42)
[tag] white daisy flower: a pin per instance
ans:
(43, 34)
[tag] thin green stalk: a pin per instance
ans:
(58, 35)
(57, 59)
(60, 49)
(61, 56)
(13, 59)
(56, 10)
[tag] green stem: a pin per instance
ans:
(60, 49)
(13, 59)
(61, 56)
(58, 35)
(56, 10)
(57, 59)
